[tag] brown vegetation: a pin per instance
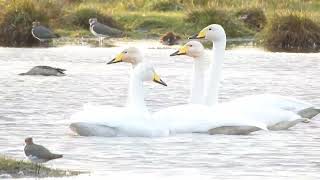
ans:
(16, 23)
(254, 18)
(291, 33)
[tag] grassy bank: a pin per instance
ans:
(146, 18)
(20, 169)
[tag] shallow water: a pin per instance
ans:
(40, 107)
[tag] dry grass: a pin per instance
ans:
(254, 18)
(293, 32)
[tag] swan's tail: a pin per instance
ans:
(310, 112)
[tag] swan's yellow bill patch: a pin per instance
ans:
(183, 50)
(157, 79)
(202, 33)
(118, 58)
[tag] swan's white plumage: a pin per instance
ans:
(273, 101)
(125, 120)
(191, 118)
(131, 120)
(268, 109)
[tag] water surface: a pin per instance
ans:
(41, 106)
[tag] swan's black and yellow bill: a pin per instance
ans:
(200, 35)
(182, 51)
(117, 59)
(157, 79)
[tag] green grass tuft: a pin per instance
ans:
(164, 5)
(80, 17)
(231, 24)
(14, 168)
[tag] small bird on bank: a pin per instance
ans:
(42, 33)
(45, 71)
(38, 154)
(102, 31)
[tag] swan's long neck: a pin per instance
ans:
(197, 86)
(213, 81)
(136, 94)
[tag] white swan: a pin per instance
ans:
(132, 120)
(216, 34)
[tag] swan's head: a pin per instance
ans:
(146, 72)
(130, 55)
(213, 32)
(192, 48)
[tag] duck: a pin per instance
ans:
(45, 71)
(102, 31)
(133, 120)
(281, 104)
(42, 33)
(170, 39)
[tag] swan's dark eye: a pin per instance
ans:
(190, 45)
(210, 29)
(125, 52)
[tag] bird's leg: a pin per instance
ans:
(100, 41)
(35, 168)
(39, 169)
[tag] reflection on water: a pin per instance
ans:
(40, 107)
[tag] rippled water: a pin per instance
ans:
(40, 107)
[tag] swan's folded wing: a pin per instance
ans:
(193, 118)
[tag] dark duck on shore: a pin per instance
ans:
(42, 33)
(170, 39)
(45, 71)
(103, 31)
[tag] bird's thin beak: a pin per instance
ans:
(200, 35)
(182, 51)
(157, 79)
(117, 59)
